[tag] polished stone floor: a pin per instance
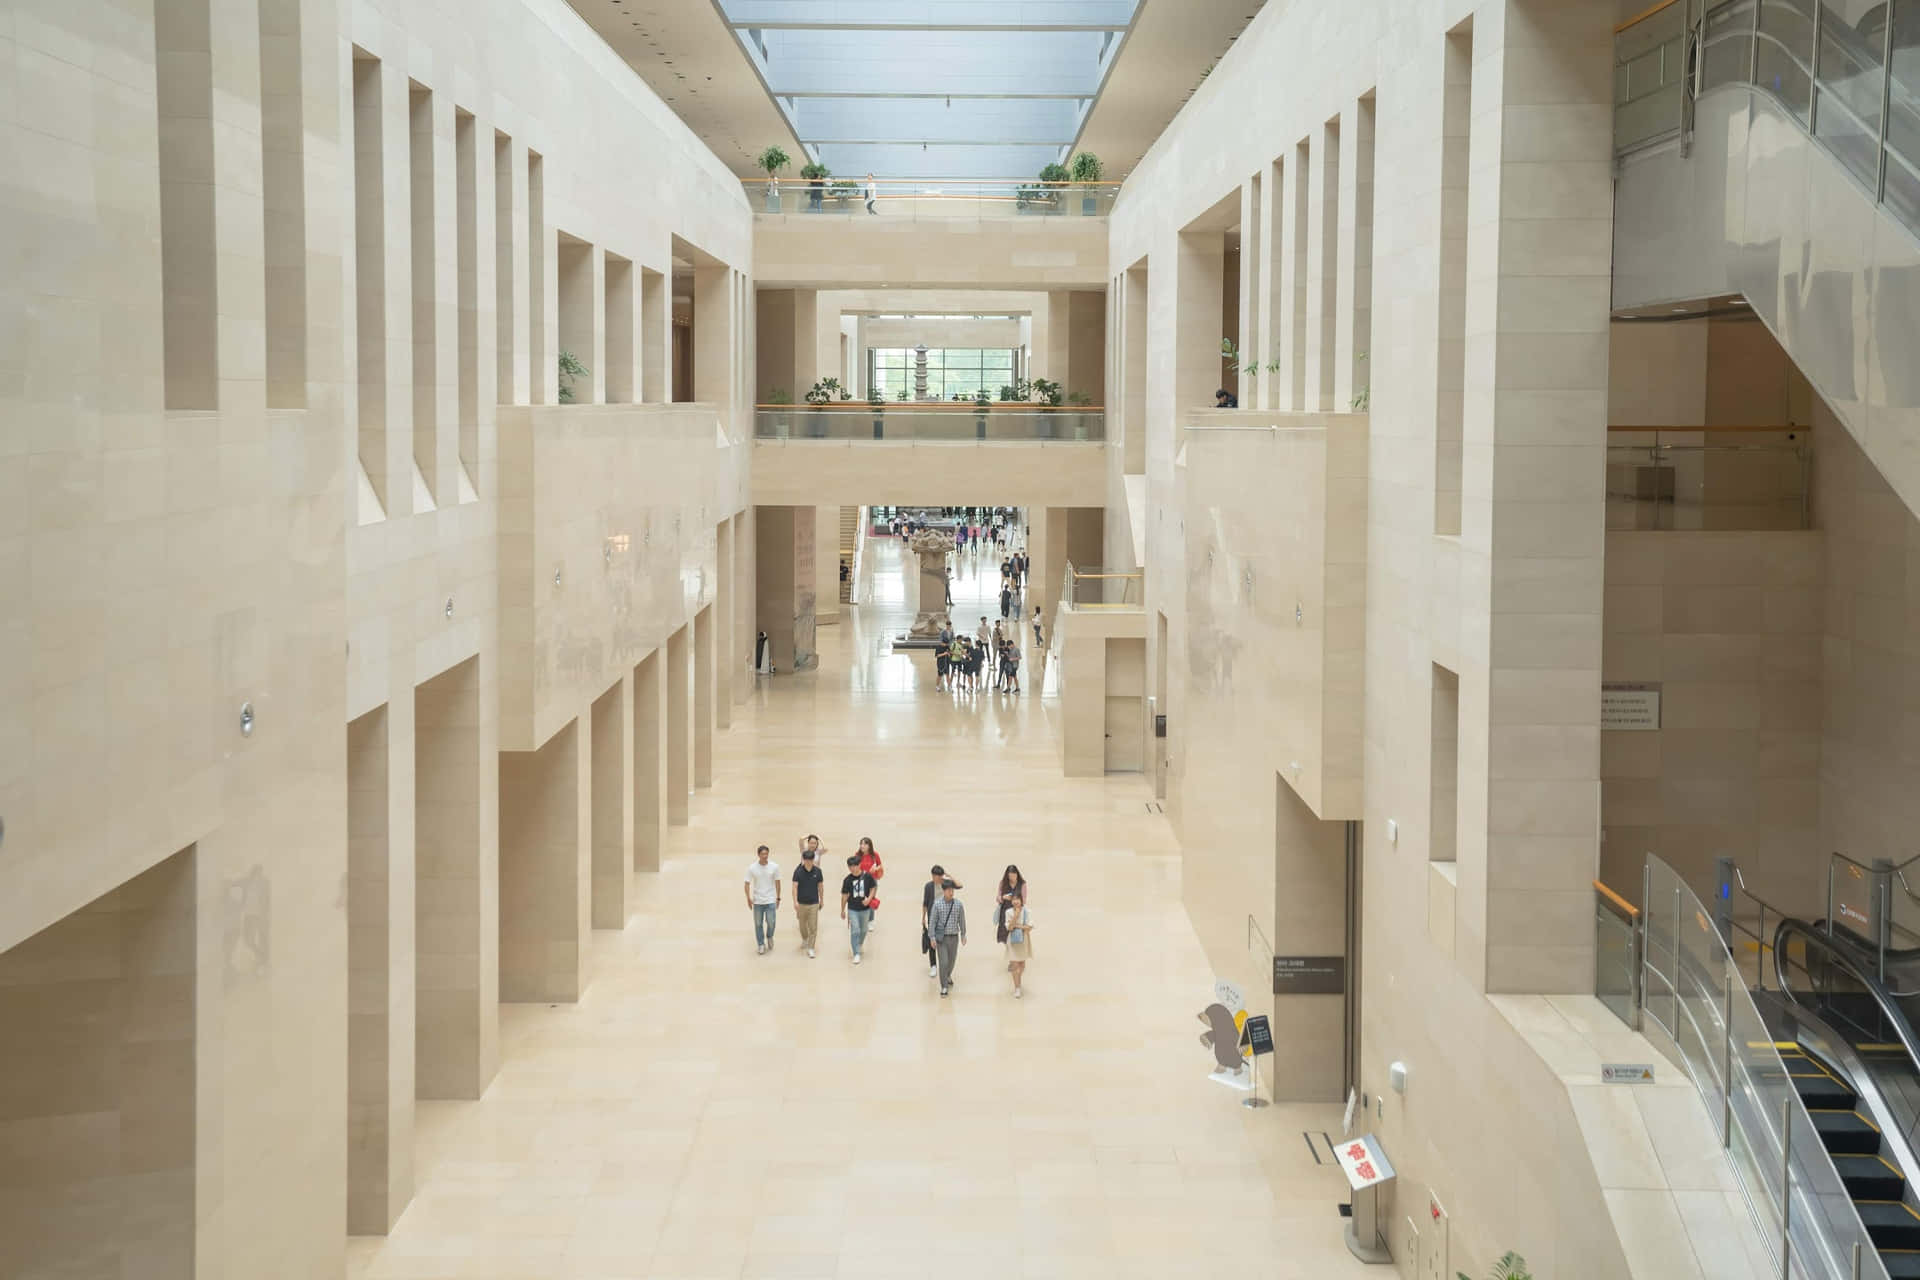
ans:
(708, 1112)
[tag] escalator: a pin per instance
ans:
(1848, 1046)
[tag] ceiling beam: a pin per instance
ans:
(813, 140)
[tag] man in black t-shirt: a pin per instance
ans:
(856, 903)
(806, 899)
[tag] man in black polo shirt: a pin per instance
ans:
(856, 903)
(806, 899)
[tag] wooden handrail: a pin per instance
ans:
(1725, 426)
(1638, 18)
(1633, 912)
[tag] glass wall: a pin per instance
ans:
(951, 371)
(1847, 69)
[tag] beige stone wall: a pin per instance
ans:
(898, 252)
(1441, 247)
(1729, 626)
(257, 461)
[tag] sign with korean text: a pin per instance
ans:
(1626, 1073)
(1258, 1034)
(1630, 706)
(1364, 1163)
(1309, 975)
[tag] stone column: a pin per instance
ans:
(679, 762)
(545, 875)
(649, 760)
(1535, 418)
(703, 696)
(612, 772)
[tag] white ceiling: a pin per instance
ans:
(921, 88)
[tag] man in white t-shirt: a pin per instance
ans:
(763, 897)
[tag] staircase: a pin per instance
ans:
(1878, 1188)
(849, 537)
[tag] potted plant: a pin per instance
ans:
(981, 403)
(843, 191)
(1087, 170)
(570, 369)
(816, 175)
(820, 395)
(1052, 179)
(877, 401)
(1510, 1267)
(773, 160)
(1047, 393)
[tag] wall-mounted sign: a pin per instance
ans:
(1626, 1073)
(1364, 1163)
(1309, 975)
(1258, 1034)
(1630, 707)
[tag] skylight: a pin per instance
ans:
(933, 88)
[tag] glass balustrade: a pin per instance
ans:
(1091, 588)
(1761, 484)
(931, 199)
(1693, 991)
(856, 420)
(1847, 70)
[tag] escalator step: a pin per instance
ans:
(1822, 1092)
(1892, 1224)
(1901, 1264)
(1846, 1132)
(1870, 1177)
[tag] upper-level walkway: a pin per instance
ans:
(856, 453)
(920, 233)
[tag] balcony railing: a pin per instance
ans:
(928, 420)
(1749, 478)
(1853, 85)
(1087, 589)
(932, 199)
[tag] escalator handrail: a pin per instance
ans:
(1858, 963)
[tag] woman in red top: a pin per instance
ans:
(871, 865)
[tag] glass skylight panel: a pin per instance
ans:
(933, 88)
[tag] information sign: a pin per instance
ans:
(1364, 1163)
(1258, 1034)
(1309, 975)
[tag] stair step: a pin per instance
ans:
(1846, 1132)
(1892, 1224)
(1901, 1264)
(1822, 1092)
(1870, 1177)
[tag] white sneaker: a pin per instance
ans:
(760, 950)
(809, 953)
(1016, 993)
(933, 971)
(856, 957)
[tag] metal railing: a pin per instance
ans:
(1863, 894)
(1853, 85)
(931, 199)
(1095, 588)
(1693, 991)
(1719, 484)
(857, 420)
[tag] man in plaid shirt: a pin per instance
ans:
(947, 926)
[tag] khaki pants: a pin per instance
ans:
(809, 915)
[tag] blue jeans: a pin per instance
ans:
(763, 919)
(858, 919)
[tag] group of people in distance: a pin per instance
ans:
(943, 916)
(959, 661)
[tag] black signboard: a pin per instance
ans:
(1309, 975)
(1258, 1033)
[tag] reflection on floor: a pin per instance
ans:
(706, 1112)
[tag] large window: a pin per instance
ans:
(951, 371)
